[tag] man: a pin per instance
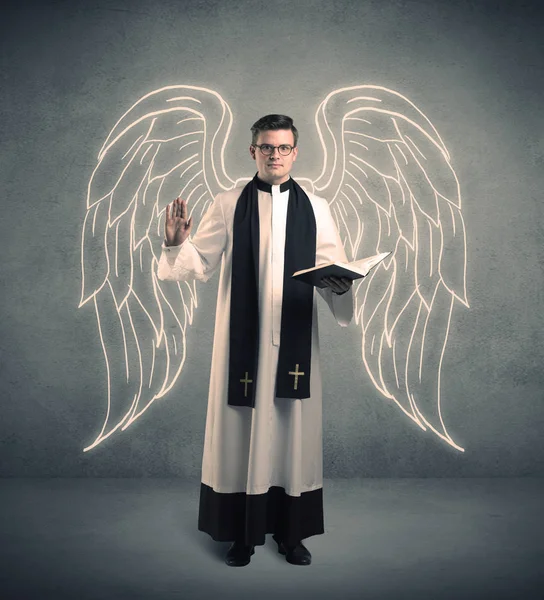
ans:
(262, 463)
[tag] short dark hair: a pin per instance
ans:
(272, 122)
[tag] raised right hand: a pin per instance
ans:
(176, 225)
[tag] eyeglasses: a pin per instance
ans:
(268, 149)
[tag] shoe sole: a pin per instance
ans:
(303, 564)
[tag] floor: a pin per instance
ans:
(398, 539)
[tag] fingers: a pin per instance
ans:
(179, 209)
(338, 284)
(331, 282)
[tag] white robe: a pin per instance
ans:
(279, 441)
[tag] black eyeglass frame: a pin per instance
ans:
(273, 148)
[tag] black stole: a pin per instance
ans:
(293, 374)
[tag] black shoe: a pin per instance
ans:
(239, 555)
(296, 555)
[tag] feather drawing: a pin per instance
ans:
(390, 184)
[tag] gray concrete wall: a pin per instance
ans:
(70, 69)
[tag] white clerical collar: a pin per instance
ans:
(267, 187)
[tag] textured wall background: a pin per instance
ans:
(70, 69)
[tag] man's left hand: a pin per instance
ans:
(339, 285)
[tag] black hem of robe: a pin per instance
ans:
(249, 517)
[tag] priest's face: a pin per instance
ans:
(275, 168)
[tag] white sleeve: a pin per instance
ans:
(199, 256)
(329, 248)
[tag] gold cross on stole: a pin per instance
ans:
(296, 373)
(245, 382)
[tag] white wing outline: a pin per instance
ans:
(136, 201)
(390, 185)
(169, 143)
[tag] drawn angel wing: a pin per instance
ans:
(391, 187)
(170, 143)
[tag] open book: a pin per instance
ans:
(353, 270)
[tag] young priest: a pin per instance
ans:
(262, 469)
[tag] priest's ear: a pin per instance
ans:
(252, 151)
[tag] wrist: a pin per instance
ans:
(174, 242)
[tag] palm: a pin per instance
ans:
(177, 226)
